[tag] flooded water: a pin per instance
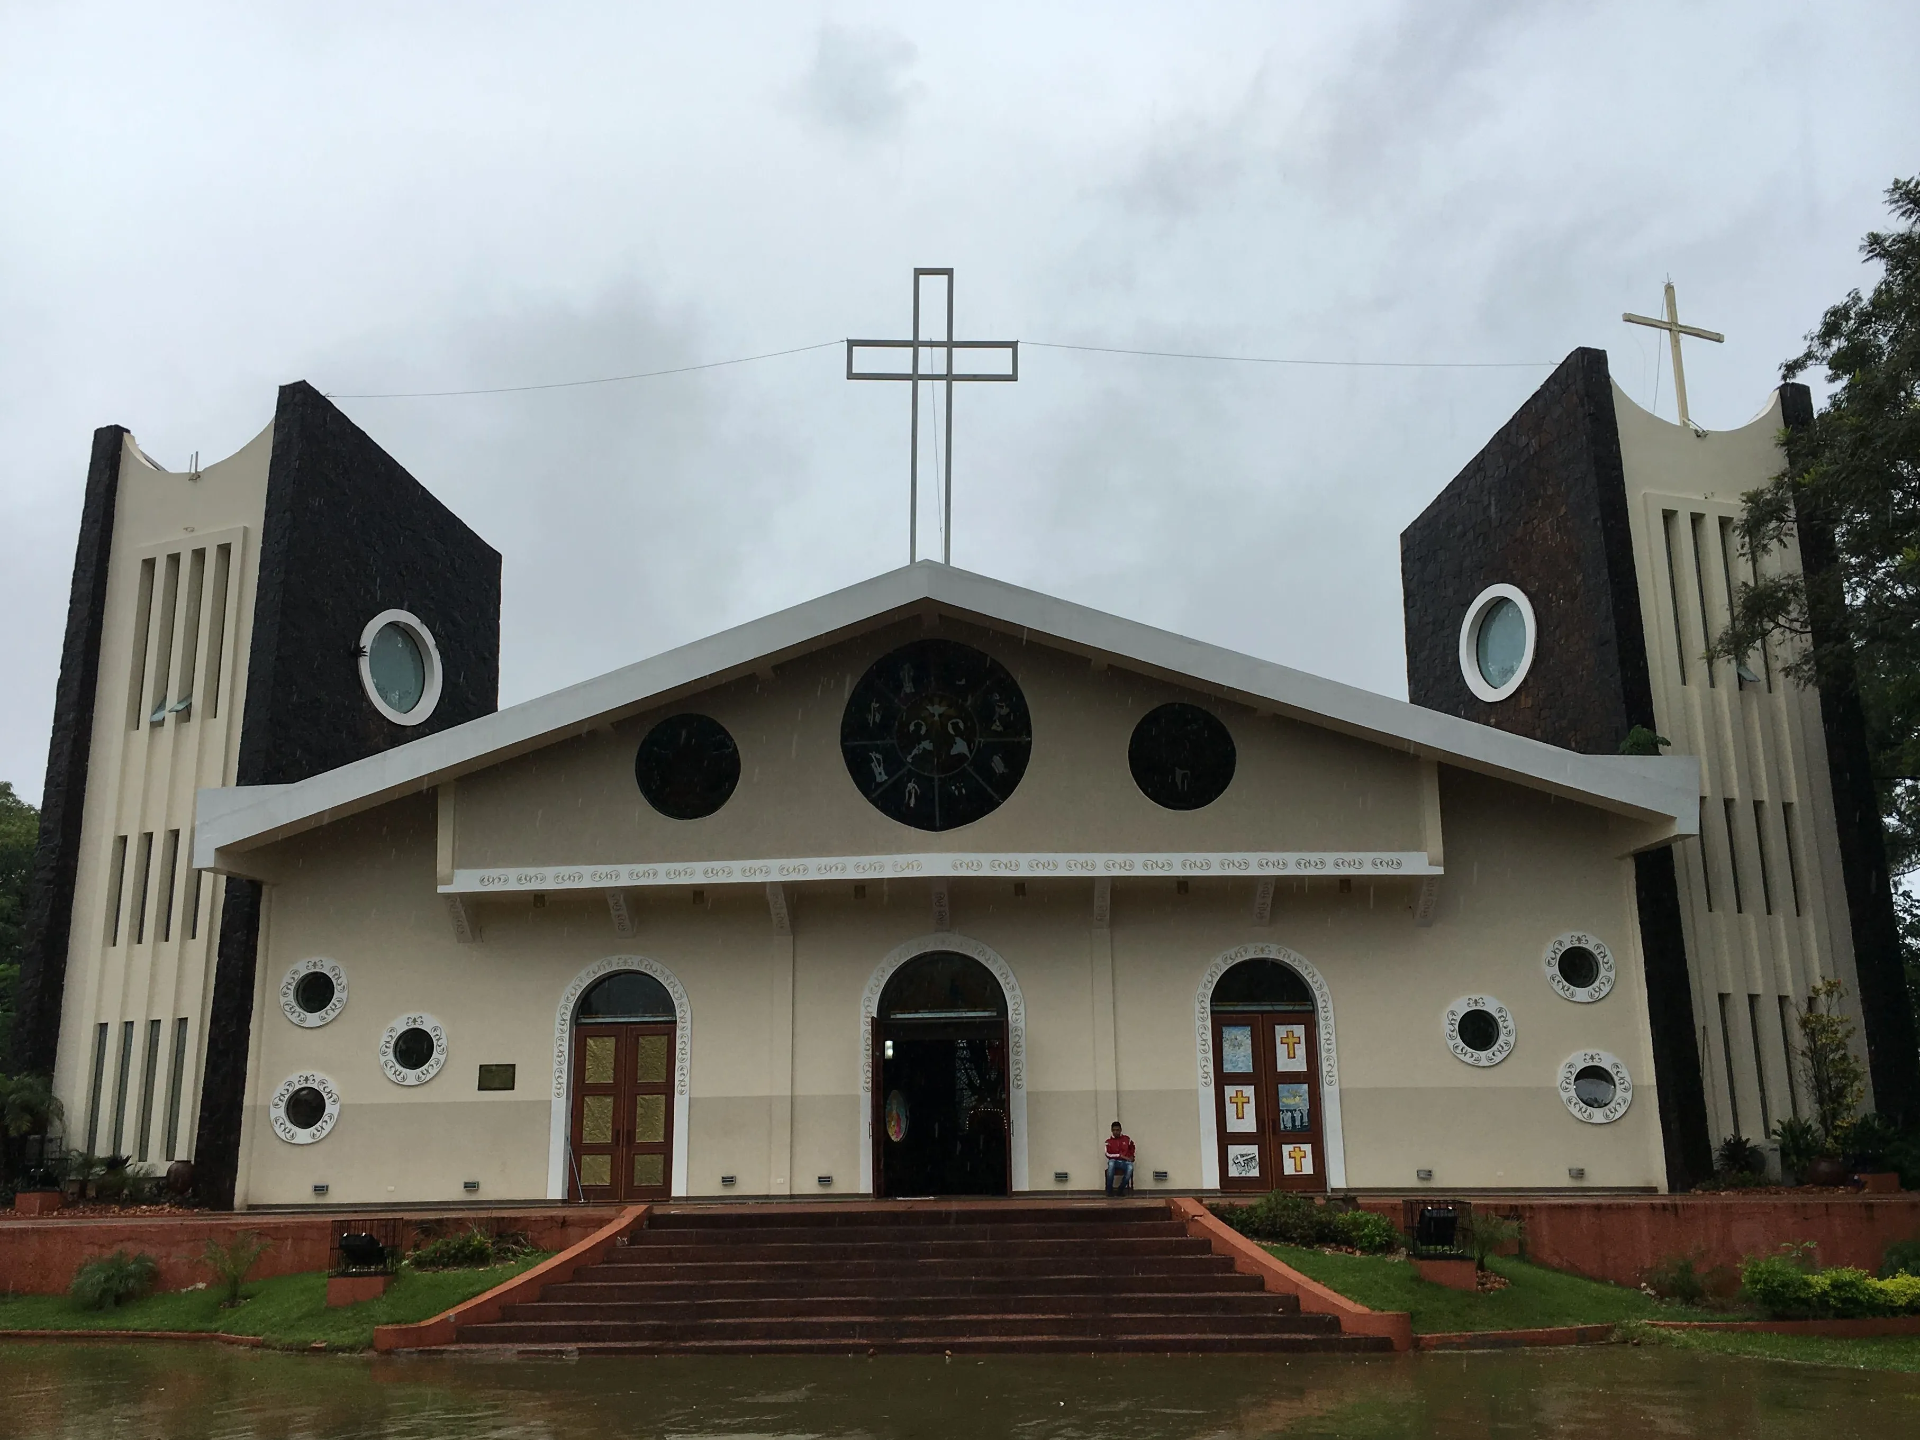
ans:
(208, 1392)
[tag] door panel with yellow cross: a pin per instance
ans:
(1267, 1098)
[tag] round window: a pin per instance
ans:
(400, 667)
(1579, 967)
(313, 992)
(687, 766)
(936, 735)
(1181, 756)
(1595, 1087)
(1497, 642)
(413, 1049)
(1479, 1030)
(304, 1109)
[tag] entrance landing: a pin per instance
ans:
(912, 1276)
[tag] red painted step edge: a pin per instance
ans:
(1841, 1329)
(1514, 1339)
(443, 1328)
(1315, 1299)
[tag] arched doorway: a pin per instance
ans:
(622, 1090)
(940, 1065)
(1268, 1100)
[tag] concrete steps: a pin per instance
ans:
(922, 1277)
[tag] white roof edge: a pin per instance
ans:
(245, 817)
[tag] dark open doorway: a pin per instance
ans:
(940, 1104)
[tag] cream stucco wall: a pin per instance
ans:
(1763, 904)
(776, 1030)
(172, 612)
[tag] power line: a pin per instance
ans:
(570, 384)
(1034, 344)
(1273, 360)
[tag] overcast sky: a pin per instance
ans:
(197, 205)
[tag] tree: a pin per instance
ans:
(1852, 482)
(19, 833)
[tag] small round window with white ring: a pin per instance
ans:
(1497, 642)
(1579, 967)
(313, 992)
(413, 1049)
(304, 1108)
(1595, 1087)
(1479, 1030)
(400, 667)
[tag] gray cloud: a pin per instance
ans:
(857, 82)
(195, 215)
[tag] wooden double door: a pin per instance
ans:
(1267, 1100)
(622, 1132)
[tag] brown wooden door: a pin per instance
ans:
(1267, 1101)
(622, 1112)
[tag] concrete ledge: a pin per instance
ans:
(1315, 1299)
(1863, 1329)
(443, 1328)
(1514, 1339)
(217, 1336)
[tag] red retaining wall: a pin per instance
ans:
(39, 1256)
(1617, 1238)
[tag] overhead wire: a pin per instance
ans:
(1032, 344)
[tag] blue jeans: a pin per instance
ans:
(1121, 1170)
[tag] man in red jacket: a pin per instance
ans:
(1119, 1162)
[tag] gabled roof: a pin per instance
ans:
(1664, 791)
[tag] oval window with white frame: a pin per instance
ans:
(304, 1108)
(313, 992)
(1595, 1087)
(1579, 967)
(413, 1049)
(1479, 1030)
(400, 667)
(1497, 641)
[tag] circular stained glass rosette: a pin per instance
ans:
(1479, 1030)
(413, 1049)
(687, 767)
(936, 735)
(1595, 1087)
(313, 992)
(1579, 967)
(304, 1109)
(1182, 757)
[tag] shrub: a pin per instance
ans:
(471, 1251)
(1684, 1278)
(113, 1279)
(1800, 1145)
(1778, 1284)
(231, 1261)
(1738, 1155)
(1867, 1143)
(1366, 1232)
(1901, 1258)
(1487, 1232)
(1783, 1287)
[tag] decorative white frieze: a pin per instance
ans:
(1382, 864)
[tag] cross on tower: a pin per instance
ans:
(940, 369)
(1675, 330)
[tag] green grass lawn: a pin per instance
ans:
(1535, 1297)
(288, 1311)
(1888, 1352)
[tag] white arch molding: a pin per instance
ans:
(1016, 1045)
(560, 1131)
(1331, 1133)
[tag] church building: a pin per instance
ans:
(913, 888)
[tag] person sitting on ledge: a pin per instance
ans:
(1119, 1162)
